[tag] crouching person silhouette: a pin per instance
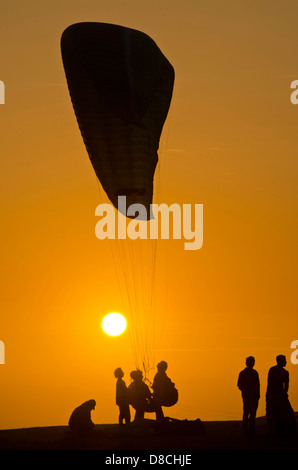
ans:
(80, 422)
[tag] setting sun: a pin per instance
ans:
(113, 324)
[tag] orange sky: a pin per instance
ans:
(230, 143)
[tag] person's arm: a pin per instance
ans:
(258, 384)
(148, 394)
(269, 380)
(286, 382)
(239, 382)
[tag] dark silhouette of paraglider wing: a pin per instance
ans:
(121, 87)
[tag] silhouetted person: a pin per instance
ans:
(249, 384)
(139, 394)
(122, 397)
(80, 421)
(280, 415)
(161, 386)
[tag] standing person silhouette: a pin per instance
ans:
(280, 415)
(249, 384)
(162, 384)
(122, 397)
(139, 394)
(158, 386)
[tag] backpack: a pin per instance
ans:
(170, 394)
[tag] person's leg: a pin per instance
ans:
(127, 414)
(159, 413)
(252, 417)
(245, 416)
(140, 413)
(121, 414)
(269, 416)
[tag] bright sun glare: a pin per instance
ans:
(113, 324)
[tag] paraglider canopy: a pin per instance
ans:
(121, 87)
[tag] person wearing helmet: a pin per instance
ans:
(162, 386)
(139, 394)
